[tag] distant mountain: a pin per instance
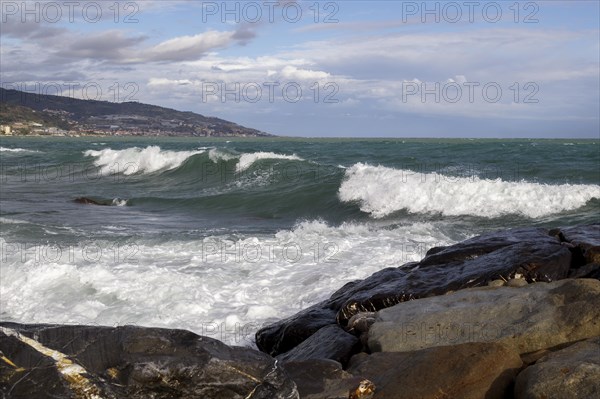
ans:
(127, 118)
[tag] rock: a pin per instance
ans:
(320, 378)
(591, 270)
(474, 370)
(287, 334)
(330, 342)
(19, 360)
(585, 238)
(516, 282)
(530, 252)
(497, 283)
(89, 201)
(540, 316)
(571, 373)
(133, 362)
(361, 322)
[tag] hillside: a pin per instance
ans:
(128, 118)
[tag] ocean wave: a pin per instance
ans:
(382, 191)
(5, 149)
(119, 202)
(217, 155)
(219, 280)
(139, 160)
(246, 160)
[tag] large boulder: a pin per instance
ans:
(570, 373)
(46, 361)
(538, 316)
(467, 371)
(330, 342)
(529, 253)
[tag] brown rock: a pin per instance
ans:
(570, 373)
(467, 371)
(320, 379)
(539, 316)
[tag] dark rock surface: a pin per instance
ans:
(330, 342)
(585, 239)
(90, 201)
(527, 319)
(467, 371)
(570, 373)
(532, 254)
(44, 361)
(319, 379)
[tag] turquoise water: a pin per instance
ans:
(235, 232)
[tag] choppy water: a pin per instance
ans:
(222, 236)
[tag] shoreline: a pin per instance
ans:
(499, 315)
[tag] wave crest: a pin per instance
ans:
(139, 160)
(246, 160)
(5, 149)
(382, 191)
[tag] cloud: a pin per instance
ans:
(245, 33)
(29, 29)
(294, 73)
(187, 48)
(111, 45)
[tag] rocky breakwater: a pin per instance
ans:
(90, 362)
(468, 321)
(512, 314)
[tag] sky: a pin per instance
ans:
(498, 69)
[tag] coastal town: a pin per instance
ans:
(109, 125)
(31, 114)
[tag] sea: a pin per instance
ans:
(223, 236)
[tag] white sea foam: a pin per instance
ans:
(138, 160)
(5, 149)
(119, 202)
(220, 287)
(381, 191)
(246, 160)
(217, 155)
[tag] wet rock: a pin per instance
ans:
(23, 370)
(286, 334)
(585, 238)
(570, 373)
(529, 252)
(90, 201)
(540, 316)
(361, 322)
(330, 342)
(135, 362)
(474, 370)
(320, 378)
(591, 270)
